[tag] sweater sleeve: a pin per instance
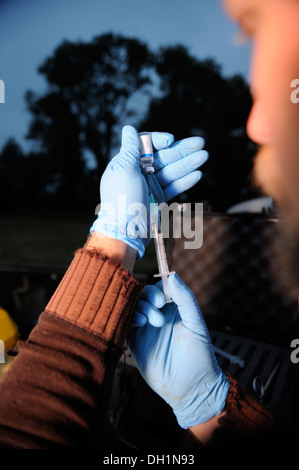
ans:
(246, 422)
(243, 412)
(54, 393)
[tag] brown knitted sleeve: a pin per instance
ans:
(55, 392)
(98, 295)
(243, 411)
(245, 423)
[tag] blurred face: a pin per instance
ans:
(274, 119)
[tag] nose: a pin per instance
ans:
(258, 126)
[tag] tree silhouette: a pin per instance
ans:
(90, 94)
(198, 100)
(58, 132)
(24, 179)
(89, 88)
(92, 82)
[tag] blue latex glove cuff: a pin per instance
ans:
(112, 232)
(204, 406)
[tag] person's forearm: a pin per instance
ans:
(204, 432)
(115, 249)
(54, 393)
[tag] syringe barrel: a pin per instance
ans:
(165, 289)
(162, 264)
(147, 152)
(161, 253)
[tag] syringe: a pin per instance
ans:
(147, 163)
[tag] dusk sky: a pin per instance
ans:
(30, 31)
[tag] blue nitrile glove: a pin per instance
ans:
(177, 360)
(124, 212)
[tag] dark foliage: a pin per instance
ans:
(93, 90)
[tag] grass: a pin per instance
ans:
(41, 240)
(51, 240)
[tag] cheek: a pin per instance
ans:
(286, 153)
(275, 61)
(275, 64)
(266, 174)
(285, 125)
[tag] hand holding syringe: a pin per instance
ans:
(147, 163)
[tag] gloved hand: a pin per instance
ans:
(177, 360)
(124, 212)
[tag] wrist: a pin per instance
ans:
(119, 231)
(113, 248)
(204, 431)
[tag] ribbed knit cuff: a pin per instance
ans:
(243, 411)
(97, 294)
(245, 422)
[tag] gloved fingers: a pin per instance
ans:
(187, 305)
(180, 292)
(153, 315)
(162, 140)
(130, 145)
(159, 285)
(181, 167)
(138, 320)
(154, 295)
(177, 151)
(181, 185)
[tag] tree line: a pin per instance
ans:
(96, 87)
